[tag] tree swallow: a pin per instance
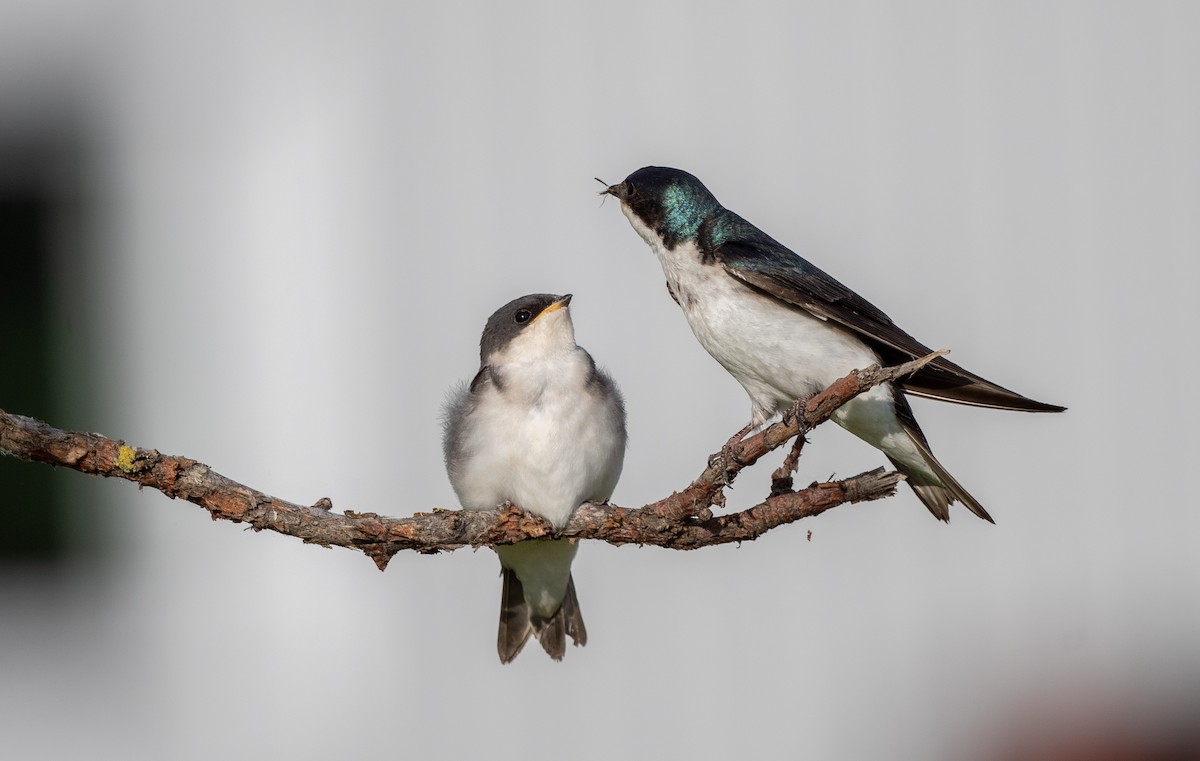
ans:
(542, 427)
(785, 329)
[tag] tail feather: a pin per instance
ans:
(942, 489)
(514, 618)
(517, 623)
(574, 616)
(939, 495)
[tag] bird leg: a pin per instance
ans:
(727, 450)
(728, 456)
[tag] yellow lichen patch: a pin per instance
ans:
(125, 457)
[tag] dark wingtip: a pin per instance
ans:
(1032, 405)
(514, 628)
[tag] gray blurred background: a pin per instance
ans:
(267, 235)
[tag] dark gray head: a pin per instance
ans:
(669, 202)
(517, 318)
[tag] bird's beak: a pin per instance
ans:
(617, 191)
(561, 303)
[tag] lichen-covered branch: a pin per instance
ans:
(682, 520)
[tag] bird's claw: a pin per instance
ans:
(793, 412)
(728, 457)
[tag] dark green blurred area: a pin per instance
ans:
(30, 507)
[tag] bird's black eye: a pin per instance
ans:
(522, 316)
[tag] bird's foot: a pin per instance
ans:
(796, 410)
(730, 449)
(729, 454)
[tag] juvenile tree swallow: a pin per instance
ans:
(785, 329)
(542, 427)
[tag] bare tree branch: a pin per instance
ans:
(681, 521)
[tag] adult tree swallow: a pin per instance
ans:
(785, 329)
(542, 427)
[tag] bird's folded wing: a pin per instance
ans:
(777, 271)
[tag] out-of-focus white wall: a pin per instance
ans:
(301, 215)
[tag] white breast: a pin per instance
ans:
(548, 441)
(778, 353)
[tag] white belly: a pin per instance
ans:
(777, 352)
(547, 456)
